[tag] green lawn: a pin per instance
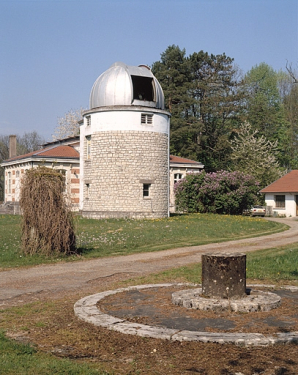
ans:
(276, 265)
(110, 237)
(22, 359)
(99, 238)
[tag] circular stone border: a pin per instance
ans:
(257, 300)
(86, 309)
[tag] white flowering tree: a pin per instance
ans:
(68, 125)
(255, 155)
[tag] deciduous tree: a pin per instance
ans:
(290, 102)
(255, 155)
(68, 125)
(265, 110)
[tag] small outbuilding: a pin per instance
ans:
(282, 195)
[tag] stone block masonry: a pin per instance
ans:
(120, 164)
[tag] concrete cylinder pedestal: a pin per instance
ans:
(224, 275)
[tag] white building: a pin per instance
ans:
(282, 195)
(124, 146)
(120, 165)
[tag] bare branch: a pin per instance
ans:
(291, 72)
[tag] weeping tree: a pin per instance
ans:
(47, 222)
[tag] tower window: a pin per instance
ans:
(146, 118)
(142, 88)
(88, 148)
(88, 120)
(87, 191)
(146, 188)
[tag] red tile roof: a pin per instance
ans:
(178, 159)
(64, 151)
(50, 152)
(61, 152)
(286, 184)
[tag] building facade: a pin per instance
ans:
(282, 195)
(120, 165)
(60, 155)
(124, 140)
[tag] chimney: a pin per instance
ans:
(12, 146)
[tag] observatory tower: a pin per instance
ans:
(124, 140)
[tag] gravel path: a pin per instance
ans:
(20, 284)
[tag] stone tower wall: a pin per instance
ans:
(120, 163)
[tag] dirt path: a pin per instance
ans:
(20, 285)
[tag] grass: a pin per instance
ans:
(101, 238)
(276, 265)
(44, 318)
(17, 358)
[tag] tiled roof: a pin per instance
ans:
(178, 159)
(286, 184)
(50, 152)
(64, 151)
(61, 152)
(68, 141)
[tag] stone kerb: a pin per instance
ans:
(87, 310)
(255, 301)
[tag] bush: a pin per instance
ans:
(221, 192)
(47, 222)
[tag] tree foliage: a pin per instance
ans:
(208, 100)
(47, 223)
(255, 155)
(290, 101)
(68, 126)
(265, 110)
(202, 93)
(216, 192)
(29, 142)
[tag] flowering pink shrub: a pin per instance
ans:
(218, 192)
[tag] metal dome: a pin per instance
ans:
(127, 85)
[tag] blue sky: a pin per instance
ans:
(52, 51)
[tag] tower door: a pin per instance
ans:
(296, 199)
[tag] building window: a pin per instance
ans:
(146, 119)
(146, 188)
(280, 201)
(9, 182)
(88, 120)
(87, 191)
(17, 174)
(88, 148)
(177, 177)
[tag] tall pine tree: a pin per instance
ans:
(202, 93)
